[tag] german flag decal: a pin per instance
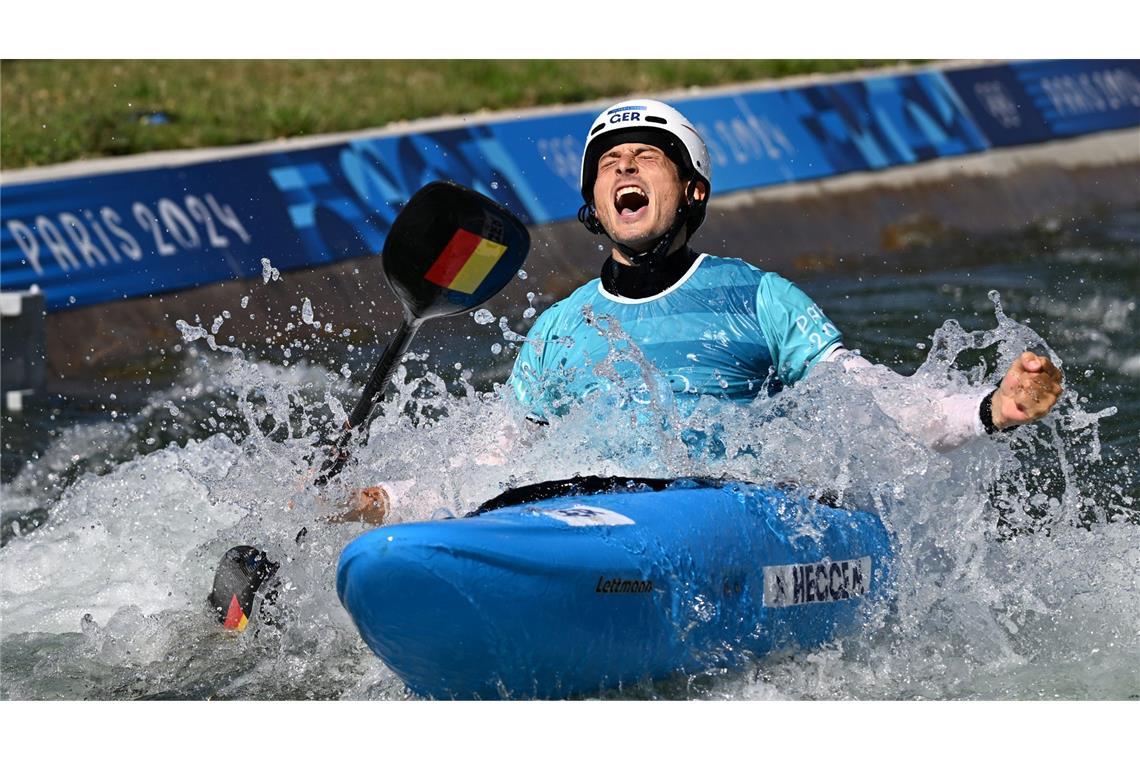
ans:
(465, 262)
(235, 616)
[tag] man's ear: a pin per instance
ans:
(701, 191)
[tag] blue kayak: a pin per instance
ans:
(584, 587)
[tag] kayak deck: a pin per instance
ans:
(583, 592)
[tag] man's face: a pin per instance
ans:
(636, 193)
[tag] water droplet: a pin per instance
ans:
(244, 301)
(307, 312)
(269, 272)
(494, 185)
(483, 317)
(522, 274)
(496, 349)
(528, 313)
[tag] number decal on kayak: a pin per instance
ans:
(826, 581)
(582, 516)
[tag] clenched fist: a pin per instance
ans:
(1027, 392)
(367, 505)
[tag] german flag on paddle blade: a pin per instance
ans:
(235, 616)
(465, 262)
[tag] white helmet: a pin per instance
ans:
(647, 121)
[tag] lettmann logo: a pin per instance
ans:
(622, 586)
(826, 581)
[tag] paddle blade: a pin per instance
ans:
(242, 572)
(450, 249)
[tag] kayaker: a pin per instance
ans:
(709, 325)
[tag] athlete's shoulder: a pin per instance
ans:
(568, 308)
(775, 284)
(583, 294)
(723, 271)
(713, 263)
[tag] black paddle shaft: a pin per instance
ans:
(381, 374)
(449, 250)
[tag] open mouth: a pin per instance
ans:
(629, 200)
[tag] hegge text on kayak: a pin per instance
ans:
(824, 581)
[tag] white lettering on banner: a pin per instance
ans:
(55, 243)
(178, 224)
(772, 136)
(82, 241)
(93, 240)
(1102, 91)
(1120, 87)
(749, 139)
(131, 246)
(564, 155)
(998, 103)
(202, 215)
(107, 246)
(725, 131)
(226, 216)
(27, 242)
(146, 218)
(716, 153)
(816, 582)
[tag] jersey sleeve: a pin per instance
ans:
(798, 332)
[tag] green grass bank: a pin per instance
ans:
(57, 111)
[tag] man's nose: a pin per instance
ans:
(627, 165)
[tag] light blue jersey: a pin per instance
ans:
(725, 329)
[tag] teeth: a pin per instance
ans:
(627, 190)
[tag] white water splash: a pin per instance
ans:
(1014, 580)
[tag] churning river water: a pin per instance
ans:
(1019, 555)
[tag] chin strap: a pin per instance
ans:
(690, 213)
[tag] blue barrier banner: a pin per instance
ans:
(91, 239)
(1034, 101)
